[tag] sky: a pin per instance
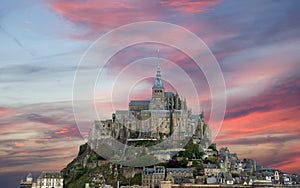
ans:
(256, 46)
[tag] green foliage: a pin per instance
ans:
(134, 135)
(191, 151)
(234, 175)
(145, 143)
(161, 164)
(82, 149)
(195, 163)
(79, 172)
(198, 168)
(136, 180)
(161, 136)
(80, 178)
(140, 161)
(211, 160)
(76, 184)
(177, 163)
(213, 146)
(93, 157)
(200, 173)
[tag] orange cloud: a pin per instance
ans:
(19, 144)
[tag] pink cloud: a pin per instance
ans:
(190, 6)
(103, 15)
(27, 137)
(264, 124)
(6, 112)
(100, 15)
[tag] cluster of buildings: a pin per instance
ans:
(45, 180)
(226, 170)
(154, 177)
(165, 115)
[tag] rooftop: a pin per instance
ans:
(139, 102)
(50, 175)
(155, 170)
(180, 170)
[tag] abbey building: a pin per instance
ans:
(165, 115)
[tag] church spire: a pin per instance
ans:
(158, 75)
(158, 91)
(158, 83)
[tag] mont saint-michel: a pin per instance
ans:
(80, 75)
(160, 143)
(164, 118)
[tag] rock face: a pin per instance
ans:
(89, 167)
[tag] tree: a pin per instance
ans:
(213, 146)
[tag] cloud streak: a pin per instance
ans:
(17, 41)
(28, 136)
(266, 124)
(256, 45)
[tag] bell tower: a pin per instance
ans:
(158, 92)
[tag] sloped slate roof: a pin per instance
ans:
(139, 102)
(189, 170)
